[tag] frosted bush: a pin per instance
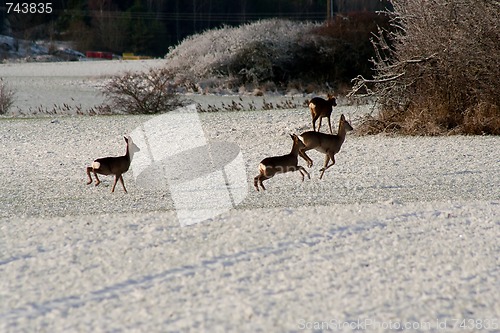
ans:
(249, 52)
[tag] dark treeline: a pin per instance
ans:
(150, 27)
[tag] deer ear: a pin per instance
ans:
(126, 139)
(342, 117)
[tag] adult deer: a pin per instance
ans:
(113, 165)
(270, 166)
(325, 143)
(321, 108)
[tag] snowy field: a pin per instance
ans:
(400, 235)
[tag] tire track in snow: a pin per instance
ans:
(33, 310)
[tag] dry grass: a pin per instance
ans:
(481, 119)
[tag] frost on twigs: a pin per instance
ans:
(148, 92)
(437, 71)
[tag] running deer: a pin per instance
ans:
(113, 165)
(270, 166)
(324, 143)
(321, 108)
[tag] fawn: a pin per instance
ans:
(270, 166)
(113, 165)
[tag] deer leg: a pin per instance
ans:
(327, 159)
(123, 184)
(261, 179)
(97, 181)
(330, 125)
(302, 171)
(306, 158)
(314, 122)
(256, 182)
(302, 174)
(88, 175)
(114, 183)
(319, 124)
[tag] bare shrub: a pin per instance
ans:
(6, 97)
(142, 93)
(437, 72)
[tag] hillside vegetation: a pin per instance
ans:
(275, 54)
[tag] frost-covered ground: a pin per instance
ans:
(401, 231)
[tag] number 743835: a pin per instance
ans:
(29, 8)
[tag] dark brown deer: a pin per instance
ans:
(270, 166)
(321, 108)
(325, 143)
(113, 165)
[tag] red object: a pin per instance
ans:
(99, 55)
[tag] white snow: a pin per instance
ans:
(401, 231)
